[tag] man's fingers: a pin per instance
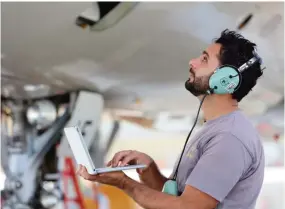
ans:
(84, 173)
(79, 170)
(119, 156)
(109, 163)
(131, 157)
(83, 169)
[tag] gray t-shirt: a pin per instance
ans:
(225, 160)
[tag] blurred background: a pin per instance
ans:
(117, 70)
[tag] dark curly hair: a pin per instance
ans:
(235, 51)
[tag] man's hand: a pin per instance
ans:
(111, 178)
(129, 157)
(150, 175)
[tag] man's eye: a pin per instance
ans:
(204, 59)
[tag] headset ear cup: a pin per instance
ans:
(225, 80)
(212, 83)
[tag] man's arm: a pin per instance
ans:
(152, 177)
(149, 176)
(214, 176)
(150, 199)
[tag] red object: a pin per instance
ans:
(69, 172)
(276, 137)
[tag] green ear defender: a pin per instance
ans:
(227, 79)
(224, 80)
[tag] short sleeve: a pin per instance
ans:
(222, 164)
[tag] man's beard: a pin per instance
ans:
(199, 86)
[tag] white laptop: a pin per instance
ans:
(82, 156)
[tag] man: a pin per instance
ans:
(223, 165)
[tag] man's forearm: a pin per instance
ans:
(153, 178)
(149, 198)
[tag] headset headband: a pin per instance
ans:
(226, 80)
(250, 62)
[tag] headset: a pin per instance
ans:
(225, 80)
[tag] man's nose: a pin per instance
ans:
(194, 63)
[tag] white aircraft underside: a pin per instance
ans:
(142, 62)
